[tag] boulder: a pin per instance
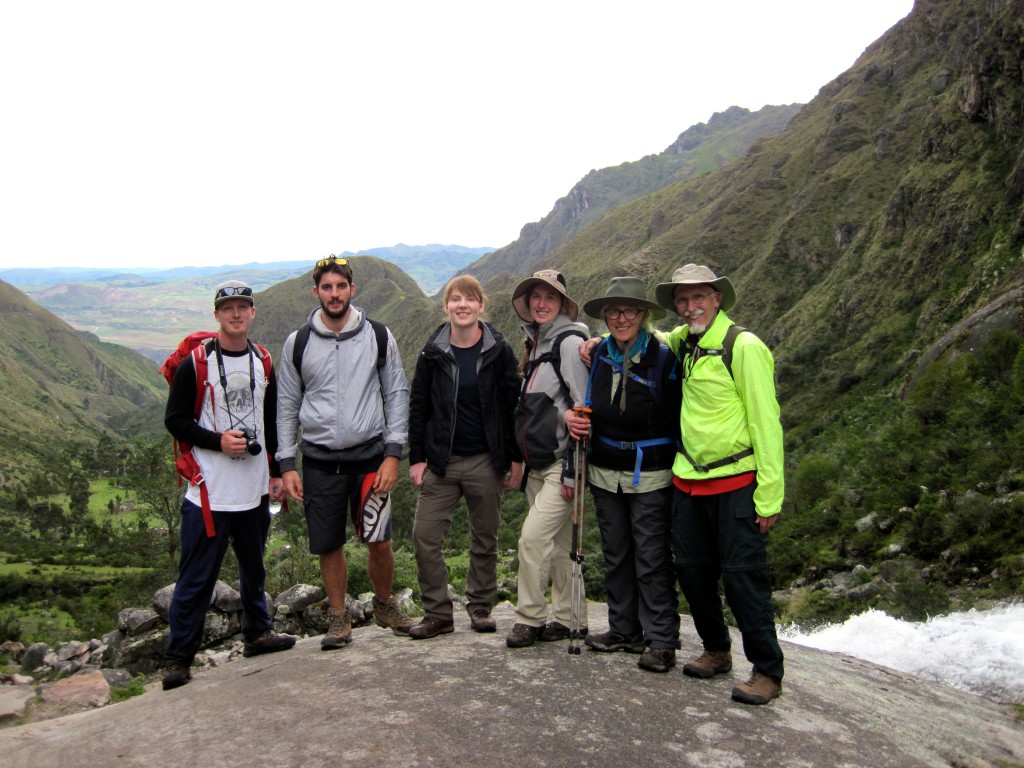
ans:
(135, 621)
(34, 656)
(296, 598)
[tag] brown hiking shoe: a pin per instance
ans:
(431, 626)
(709, 664)
(269, 642)
(480, 621)
(339, 630)
(387, 614)
(176, 675)
(759, 689)
(657, 659)
(521, 636)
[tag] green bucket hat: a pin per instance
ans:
(624, 290)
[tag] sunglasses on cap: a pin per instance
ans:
(330, 260)
(234, 290)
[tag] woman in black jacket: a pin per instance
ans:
(464, 393)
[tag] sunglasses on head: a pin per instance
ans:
(233, 290)
(330, 260)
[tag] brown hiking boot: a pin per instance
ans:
(269, 642)
(431, 626)
(387, 614)
(709, 664)
(339, 630)
(657, 659)
(480, 620)
(521, 636)
(176, 675)
(759, 689)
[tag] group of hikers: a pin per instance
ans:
(677, 435)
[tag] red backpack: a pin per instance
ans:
(195, 345)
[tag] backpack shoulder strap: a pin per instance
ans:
(201, 364)
(554, 356)
(301, 340)
(380, 331)
(727, 344)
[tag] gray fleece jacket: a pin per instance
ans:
(347, 412)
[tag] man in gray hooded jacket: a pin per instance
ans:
(354, 420)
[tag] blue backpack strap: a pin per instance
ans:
(595, 358)
(638, 446)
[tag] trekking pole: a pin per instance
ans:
(576, 553)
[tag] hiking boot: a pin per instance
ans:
(657, 659)
(521, 636)
(387, 614)
(480, 621)
(612, 641)
(269, 642)
(709, 664)
(431, 626)
(176, 675)
(555, 630)
(759, 689)
(339, 630)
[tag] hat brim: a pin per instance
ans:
(521, 304)
(595, 307)
(664, 293)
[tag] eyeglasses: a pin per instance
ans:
(330, 260)
(234, 290)
(697, 298)
(630, 313)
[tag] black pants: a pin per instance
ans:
(717, 537)
(636, 539)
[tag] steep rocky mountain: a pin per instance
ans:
(62, 389)
(700, 149)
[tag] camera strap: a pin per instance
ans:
(224, 382)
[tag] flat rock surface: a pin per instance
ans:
(465, 699)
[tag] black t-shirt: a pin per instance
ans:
(469, 439)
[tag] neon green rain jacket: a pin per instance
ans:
(721, 416)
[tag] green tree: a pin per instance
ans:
(149, 471)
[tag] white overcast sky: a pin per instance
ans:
(144, 134)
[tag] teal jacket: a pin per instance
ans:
(721, 415)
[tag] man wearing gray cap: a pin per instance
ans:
(728, 479)
(223, 403)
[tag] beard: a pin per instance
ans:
(334, 314)
(693, 320)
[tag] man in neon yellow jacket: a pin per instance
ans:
(728, 479)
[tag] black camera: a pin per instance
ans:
(252, 445)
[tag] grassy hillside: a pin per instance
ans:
(61, 389)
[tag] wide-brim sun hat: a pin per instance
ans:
(695, 274)
(628, 291)
(549, 277)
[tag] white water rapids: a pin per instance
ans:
(977, 651)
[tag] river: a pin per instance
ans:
(977, 651)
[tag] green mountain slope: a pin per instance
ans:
(61, 389)
(698, 150)
(876, 244)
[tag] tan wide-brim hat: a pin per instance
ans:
(550, 277)
(627, 290)
(695, 274)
